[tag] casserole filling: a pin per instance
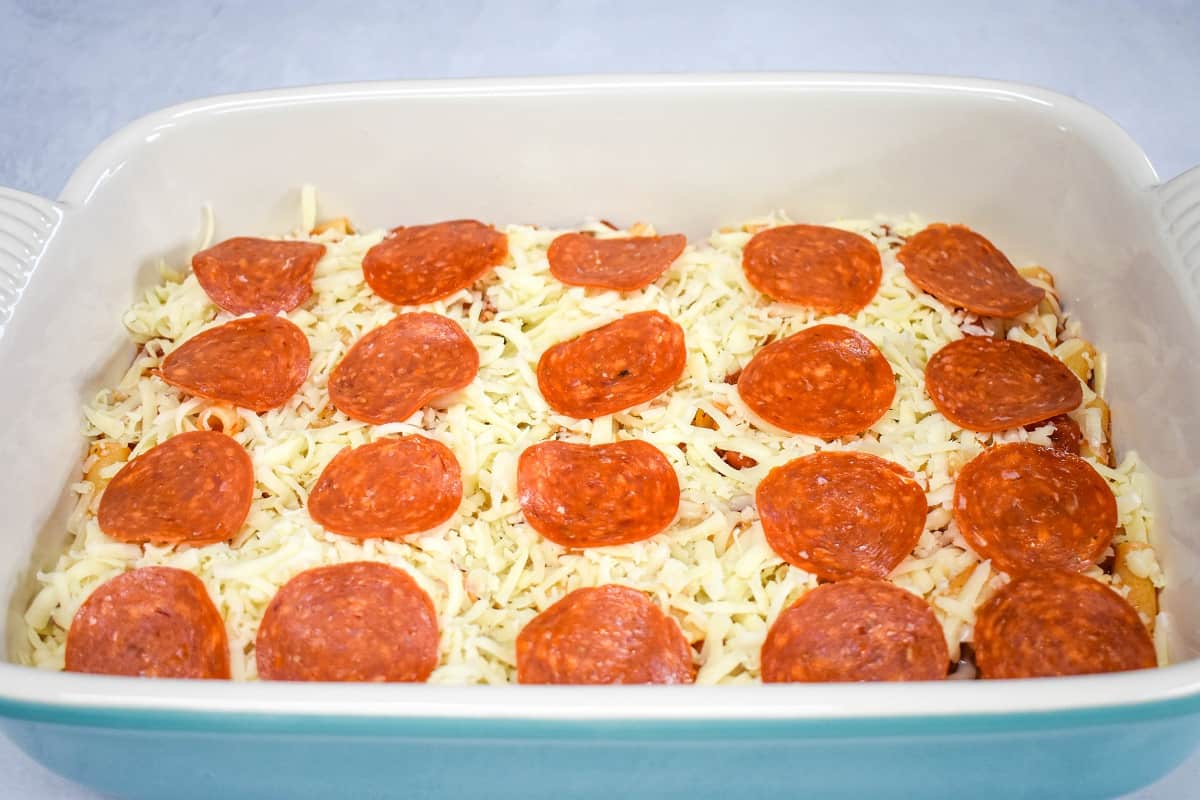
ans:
(727, 563)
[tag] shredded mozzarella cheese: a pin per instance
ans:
(488, 572)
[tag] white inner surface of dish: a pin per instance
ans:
(487, 571)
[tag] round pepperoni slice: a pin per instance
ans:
(153, 622)
(826, 269)
(842, 514)
(856, 630)
(624, 264)
(359, 621)
(1059, 623)
(387, 489)
(961, 268)
(1028, 507)
(579, 495)
(257, 276)
(608, 634)
(256, 363)
(826, 381)
(398, 368)
(1067, 435)
(985, 384)
(613, 367)
(424, 263)
(195, 488)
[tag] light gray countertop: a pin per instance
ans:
(72, 73)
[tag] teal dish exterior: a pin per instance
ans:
(152, 755)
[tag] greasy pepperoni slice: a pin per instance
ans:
(613, 367)
(985, 384)
(194, 488)
(856, 630)
(256, 363)
(624, 264)
(257, 276)
(424, 263)
(607, 634)
(387, 489)
(1067, 435)
(359, 621)
(154, 622)
(1059, 623)
(580, 495)
(961, 268)
(830, 270)
(398, 368)
(842, 514)
(825, 381)
(1028, 507)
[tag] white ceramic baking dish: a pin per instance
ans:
(1046, 177)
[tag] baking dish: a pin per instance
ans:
(1043, 175)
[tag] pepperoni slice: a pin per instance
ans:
(842, 514)
(856, 630)
(387, 489)
(607, 634)
(826, 381)
(359, 621)
(398, 368)
(985, 384)
(578, 495)
(1067, 435)
(153, 622)
(424, 263)
(1059, 623)
(613, 367)
(624, 264)
(830, 270)
(257, 276)
(1028, 507)
(961, 268)
(256, 363)
(195, 488)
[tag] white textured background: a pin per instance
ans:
(73, 72)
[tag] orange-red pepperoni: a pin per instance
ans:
(613, 367)
(257, 276)
(256, 363)
(359, 621)
(154, 622)
(826, 269)
(608, 634)
(424, 263)
(856, 630)
(842, 514)
(1067, 435)
(579, 495)
(387, 489)
(985, 384)
(1059, 623)
(194, 488)
(825, 381)
(1028, 507)
(398, 368)
(624, 264)
(961, 268)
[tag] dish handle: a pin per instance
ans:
(27, 223)
(1179, 211)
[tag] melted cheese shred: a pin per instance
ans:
(487, 571)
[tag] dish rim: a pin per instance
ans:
(35, 694)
